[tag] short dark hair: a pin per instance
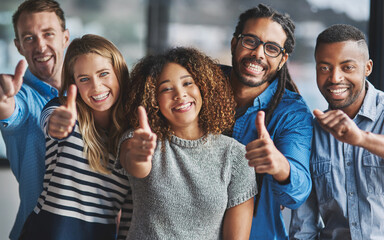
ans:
(285, 21)
(36, 6)
(341, 33)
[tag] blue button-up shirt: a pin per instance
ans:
(291, 131)
(348, 183)
(25, 144)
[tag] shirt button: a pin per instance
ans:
(53, 90)
(349, 163)
(5, 124)
(354, 224)
(351, 193)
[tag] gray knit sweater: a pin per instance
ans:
(189, 188)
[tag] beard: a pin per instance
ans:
(247, 79)
(334, 104)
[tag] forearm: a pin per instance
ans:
(373, 143)
(238, 221)
(7, 107)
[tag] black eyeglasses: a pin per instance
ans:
(251, 42)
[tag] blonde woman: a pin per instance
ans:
(82, 193)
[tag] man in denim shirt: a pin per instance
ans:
(41, 37)
(278, 147)
(347, 165)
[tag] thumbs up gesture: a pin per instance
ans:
(263, 155)
(9, 87)
(136, 153)
(63, 119)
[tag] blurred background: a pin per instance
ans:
(138, 27)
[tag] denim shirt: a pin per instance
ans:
(25, 144)
(291, 131)
(348, 183)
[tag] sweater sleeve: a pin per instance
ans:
(242, 185)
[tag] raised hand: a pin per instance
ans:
(63, 119)
(9, 87)
(136, 153)
(340, 125)
(263, 155)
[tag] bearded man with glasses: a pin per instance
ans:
(272, 119)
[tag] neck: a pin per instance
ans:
(189, 132)
(102, 119)
(245, 95)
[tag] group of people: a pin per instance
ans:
(181, 147)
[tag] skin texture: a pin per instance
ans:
(180, 103)
(98, 85)
(249, 82)
(341, 71)
(42, 42)
(94, 76)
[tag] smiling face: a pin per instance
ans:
(42, 41)
(252, 67)
(179, 99)
(341, 69)
(97, 83)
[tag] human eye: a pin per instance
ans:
(83, 79)
(27, 38)
(49, 34)
(272, 48)
(349, 68)
(323, 68)
(249, 41)
(164, 89)
(103, 74)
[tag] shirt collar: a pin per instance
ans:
(40, 86)
(265, 97)
(368, 108)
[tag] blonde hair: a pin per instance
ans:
(97, 143)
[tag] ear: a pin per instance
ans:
(66, 38)
(18, 46)
(233, 44)
(283, 60)
(368, 67)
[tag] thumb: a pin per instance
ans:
(19, 73)
(260, 125)
(317, 113)
(143, 119)
(71, 98)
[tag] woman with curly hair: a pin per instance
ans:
(188, 180)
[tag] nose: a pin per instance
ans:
(258, 52)
(41, 44)
(336, 76)
(96, 82)
(179, 94)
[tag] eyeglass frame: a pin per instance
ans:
(282, 50)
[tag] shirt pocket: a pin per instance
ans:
(374, 173)
(322, 179)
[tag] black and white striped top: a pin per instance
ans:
(73, 190)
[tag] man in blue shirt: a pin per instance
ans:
(347, 163)
(272, 119)
(41, 37)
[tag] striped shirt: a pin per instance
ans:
(71, 189)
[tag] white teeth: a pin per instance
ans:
(43, 59)
(338, 91)
(101, 96)
(254, 67)
(184, 106)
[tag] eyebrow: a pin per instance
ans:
(50, 29)
(343, 62)
(182, 77)
(98, 71)
(250, 34)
